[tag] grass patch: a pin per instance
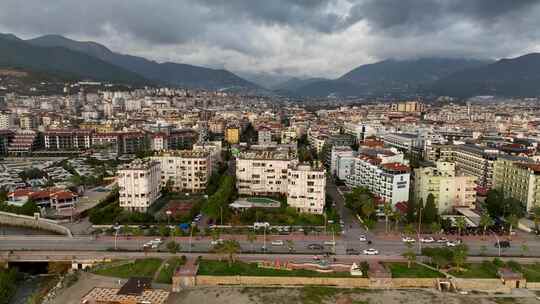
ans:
(486, 270)
(400, 270)
(218, 268)
(138, 268)
(167, 271)
(530, 271)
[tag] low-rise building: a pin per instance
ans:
(519, 180)
(262, 172)
(140, 184)
(449, 188)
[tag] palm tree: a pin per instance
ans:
(230, 248)
(137, 232)
(176, 232)
(251, 237)
(396, 217)
(387, 213)
(436, 227)
(290, 245)
(486, 221)
(410, 255)
(409, 229)
(536, 217)
(460, 256)
(460, 224)
(513, 220)
(524, 249)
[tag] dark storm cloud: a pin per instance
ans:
(423, 16)
(321, 37)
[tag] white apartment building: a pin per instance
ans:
(262, 172)
(401, 141)
(187, 170)
(140, 184)
(6, 120)
(306, 189)
(338, 153)
(382, 175)
(269, 173)
(289, 135)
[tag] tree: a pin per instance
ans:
(485, 222)
(460, 224)
(410, 254)
(290, 245)
(409, 229)
(230, 248)
(8, 285)
(441, 257)
(215, 234)
(536, 217)
(137, 232)
(176, 232)
(396, 217)
(411, 211)
(513, 221)
(173, 247)
(430, 212)
(251, 237)
(494, 203)
(387, 213)
(524, 249)
(460, 256)
(435, 227)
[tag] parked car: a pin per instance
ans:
(362, 238)
(277, 243)
(371, 251)
(442, 240)
(453, 243)
(329, 243)
(427, 240)
(407, 239)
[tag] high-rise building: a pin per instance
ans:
(306, 188)
(185, 170)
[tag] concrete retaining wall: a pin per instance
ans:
(533, 285)
(31, 222)
(299, 281)
(486, 285)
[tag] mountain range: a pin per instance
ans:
(458, 77)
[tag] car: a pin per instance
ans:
(277, 243)
(362, 238)
(503, 244)
(316, 258)
(216, 242)
(155, 246)
(157, 241)
(352, 251)
(442, 240)
(315, 246)
(408, 240)
(452, 243)
(370, 251)
(427, 240)
(329, 243)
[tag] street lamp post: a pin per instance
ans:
(498, 242)
(190, 237)
(168, 212)
(419, 231)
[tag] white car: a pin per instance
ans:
(362, 238)
(216, 242)
(442, 240)
(157, 241)
(329, 243)
(371, 251)
(408, 240)
(427, 240)
(452, 243)
(277, 243)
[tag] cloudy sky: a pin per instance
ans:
(290, 37)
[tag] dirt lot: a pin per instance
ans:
(316, 295)
(306, 295)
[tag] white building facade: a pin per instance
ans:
(140, 185)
